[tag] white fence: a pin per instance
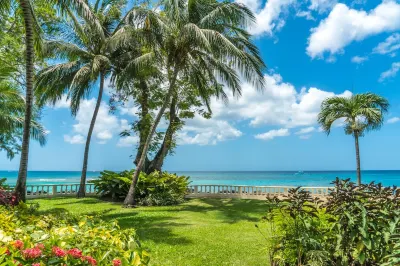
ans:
(194, 191)
(248, 192)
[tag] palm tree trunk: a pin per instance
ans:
(20, 187)
(82, 186)
(130, 198)
(158, 161)
(358, 159)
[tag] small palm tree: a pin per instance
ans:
(87, 51)
(361, 113)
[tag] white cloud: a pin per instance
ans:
(345, 25)
(280, 104)
(75, 139)
(390, 73)
(359, 59)
(269, 18)
(305, 14)
(269, 135)
(203, 131)
(105, 127)
(305, 130)
(393, 120)
(389, 46)
(62, 103)
(128, 141)
(322, 5)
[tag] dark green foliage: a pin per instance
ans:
(355, 225)
(157, 188)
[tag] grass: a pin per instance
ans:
(198, 232)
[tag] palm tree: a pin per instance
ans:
(205, 42)
(361, 113)
(32, 30)
(87, 51)
(12, 108)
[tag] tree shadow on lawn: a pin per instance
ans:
(230, 210)
(156, 228)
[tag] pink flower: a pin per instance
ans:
(116, 262)
(18, 244)
(59, 252)
(35, 264)
(90, 260)
(8, 252)
(32, 253)
(75, 253)
(40, 246)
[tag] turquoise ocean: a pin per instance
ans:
(256, 178)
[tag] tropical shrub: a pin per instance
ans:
(27, 238)
(157, 188)
(7, 197)
(355, 225)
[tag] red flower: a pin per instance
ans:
(40, 246)
(35, 264)
(90, 260)
(76, 253)
(32, 253)
(18, 244)
(8, 252)
(116, 262)
(59, 252)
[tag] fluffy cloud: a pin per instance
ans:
(390, 73)
(269, 135)
(269, 18)
(106, 124)
(203, 131)
(393, 120)
(359, 59)
(389, 46)
(322, 5)
(345, 25)
(62, 103)
(128, 141)
(75, 139)
(280, 104)
(305, 130)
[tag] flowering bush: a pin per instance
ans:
(36, 240)
(7, 198)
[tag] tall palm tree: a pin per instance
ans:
(203, 41)
(12, 108)
(361, 113)
(88, 58)
(32, 30)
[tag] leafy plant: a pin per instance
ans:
(157, 188)
(28, 238)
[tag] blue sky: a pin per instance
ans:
(314, 49)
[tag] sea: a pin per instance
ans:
(254, 178)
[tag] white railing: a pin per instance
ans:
(248, 192)
(52, 191)
(194, 191)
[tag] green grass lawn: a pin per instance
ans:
(198, 232)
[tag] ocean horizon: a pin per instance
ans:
(254, 178)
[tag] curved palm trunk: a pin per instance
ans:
(358, 159)
(158, 161)
(20, 187)
(82, 186)
(130, 198)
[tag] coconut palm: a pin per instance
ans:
(203, 41)
(12, 108)
(32, 31)
(87, 60)
(361, 113)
